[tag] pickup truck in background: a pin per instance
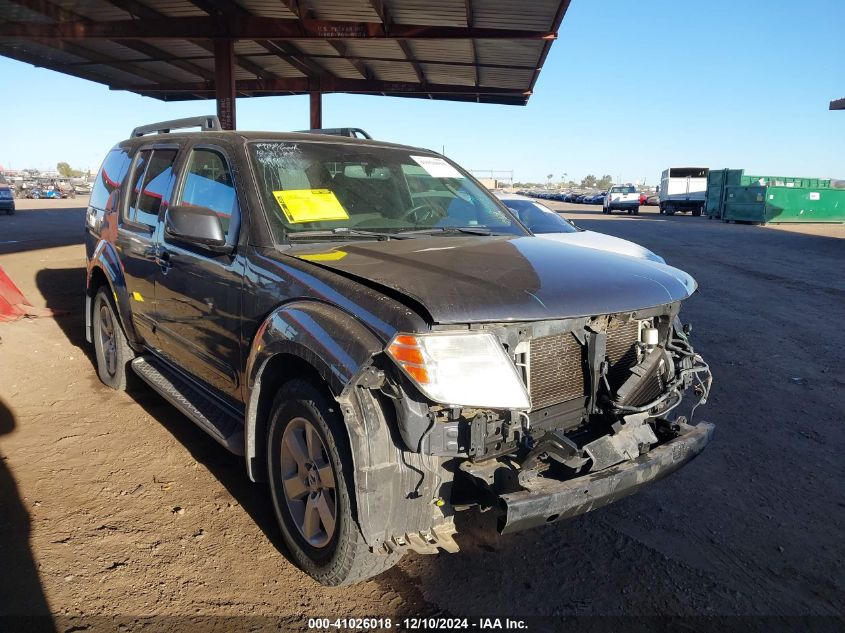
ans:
(683, 189)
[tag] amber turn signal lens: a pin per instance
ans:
(418, 373)
(406, 354)
(406, 351)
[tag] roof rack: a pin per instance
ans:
(351, 132)
(205, 123)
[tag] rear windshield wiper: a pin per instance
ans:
(342, 231)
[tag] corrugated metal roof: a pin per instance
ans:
(431, 12)
(489, 51)
(99, 10)
(343, 10)
(443, 50)
(277, 66)
(267, 8)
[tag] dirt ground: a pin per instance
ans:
(116, 505)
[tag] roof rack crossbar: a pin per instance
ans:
(205, 123)
(352, 132)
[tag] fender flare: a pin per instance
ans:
(106, 260)
(336, 345)
(393, 498)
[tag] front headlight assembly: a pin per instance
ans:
(467, 369)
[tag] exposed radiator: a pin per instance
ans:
(621, 351)
(557, 370)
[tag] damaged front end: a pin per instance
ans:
(606, 397)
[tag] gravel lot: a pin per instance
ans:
(116, 505)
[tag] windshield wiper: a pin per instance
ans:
(452, 230)
(342, 230)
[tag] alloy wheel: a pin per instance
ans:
(308, 482)
(107, 340)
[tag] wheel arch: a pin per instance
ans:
(308, 339)
(104, 269)
(394, 489)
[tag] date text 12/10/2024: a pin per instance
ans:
(417, 624)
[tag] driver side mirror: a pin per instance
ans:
(198, 226)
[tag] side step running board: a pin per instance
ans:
(201, 408)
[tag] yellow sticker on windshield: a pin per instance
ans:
(310, 205)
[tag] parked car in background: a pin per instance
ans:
(622, 198)
(549, 224)
(381, 340)
(7, 198)
(599, 198)
(652, 201)
(38, 193)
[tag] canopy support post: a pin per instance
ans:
(316, 110)
(224, 76)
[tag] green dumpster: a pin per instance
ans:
(784, 204)
(723, 188)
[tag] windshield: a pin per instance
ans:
(623, 189)
(355, 189)
(539, 218)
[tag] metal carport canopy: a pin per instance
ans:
(486, 51)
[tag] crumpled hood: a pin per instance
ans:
(494, 279)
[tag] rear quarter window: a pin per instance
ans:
(108, 181)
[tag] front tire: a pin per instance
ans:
(312, 485)
(110, 344)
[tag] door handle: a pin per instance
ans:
(165, 261)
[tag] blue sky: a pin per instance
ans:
(630, 87)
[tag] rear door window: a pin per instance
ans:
(108, 181)
(152, 178)
(208, 183)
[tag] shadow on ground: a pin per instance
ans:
(63, 289)
(21, 593)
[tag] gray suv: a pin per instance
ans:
(382, 341)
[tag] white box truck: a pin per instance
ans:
(683, 189)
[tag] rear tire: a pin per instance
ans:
(636, 211)
(312, 488)
(110, 344)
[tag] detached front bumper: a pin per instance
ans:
(548, 500)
